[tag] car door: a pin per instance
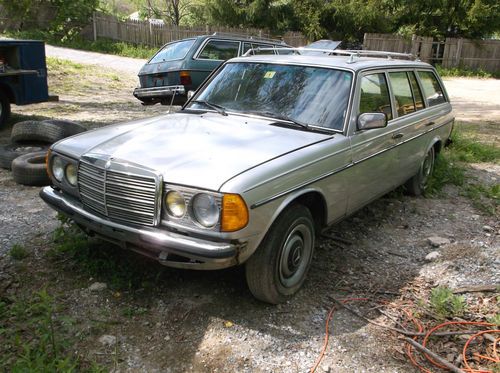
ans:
(411, 122)
(374, 153)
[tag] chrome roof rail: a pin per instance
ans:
(249, 37)
(352, 54)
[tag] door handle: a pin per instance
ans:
(397, 135)
(430, 124)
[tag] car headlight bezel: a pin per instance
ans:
(71, 174)
(205, 210)
(175, 204)
(57, 168)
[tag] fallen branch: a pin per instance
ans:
(436, 357)
(477, 289)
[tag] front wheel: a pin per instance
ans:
(417, 185)
(278, 268)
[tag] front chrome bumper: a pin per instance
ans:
(153, 242)
(165, 91)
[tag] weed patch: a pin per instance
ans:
(445, 304)
(462, 71)
(18, 252)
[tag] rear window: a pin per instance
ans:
(173, 51)
(402, 93)
(432, 90)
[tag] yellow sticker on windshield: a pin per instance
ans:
(269, 74)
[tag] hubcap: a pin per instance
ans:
(295, 256)
(426, 169)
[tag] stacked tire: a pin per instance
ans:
(29, 143)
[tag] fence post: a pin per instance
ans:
(459, 51)
(94, 26)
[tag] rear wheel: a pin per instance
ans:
(417, 185)
(4, 108)
(278, 268)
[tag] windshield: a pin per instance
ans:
(310, 95)
(173, 51)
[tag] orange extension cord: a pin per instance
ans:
(420, 329)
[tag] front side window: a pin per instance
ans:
(375, 95)
(219, 50)
(402, 93)
(432, 90)
(173, 51)
(311, 95)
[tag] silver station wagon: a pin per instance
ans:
(266, 154)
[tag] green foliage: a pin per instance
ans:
(495, 319)
(121, 270)
(35, 336)
(18, 252)
(484, 198)
(446, 171)
(445, 304)
(469, 149)
(61, 18)
(465, 72)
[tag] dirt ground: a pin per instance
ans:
(177, 321)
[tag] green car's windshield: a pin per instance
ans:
(173, 51)
(311, 95)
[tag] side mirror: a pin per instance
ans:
(367, 121)
(190, 94)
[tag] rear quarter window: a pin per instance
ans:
(431, 87)
(219, 50)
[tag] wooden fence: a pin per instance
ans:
(156, 34)
(473, 54)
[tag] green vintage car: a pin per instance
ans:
(181, 66)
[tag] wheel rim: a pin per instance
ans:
(295, 256)
(426, 169)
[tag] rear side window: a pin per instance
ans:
(432, 90)
(247, 46)
(375, 95)
(402, 93)
(173, 51)
(219, 50)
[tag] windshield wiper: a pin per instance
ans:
(282, 117)
(220, 109)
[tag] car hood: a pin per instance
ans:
(200, 150)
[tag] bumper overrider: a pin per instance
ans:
(158, 92)
(156, 243)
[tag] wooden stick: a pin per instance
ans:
(436, 357)
(477, 289)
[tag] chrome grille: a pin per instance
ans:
(119, 196)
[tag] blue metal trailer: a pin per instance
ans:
(23, 74)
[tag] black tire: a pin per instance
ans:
(11, 151)
(4, 108)
(417, 185)
(32, 130)
(29, 169)
(69, 128)
(278, 268)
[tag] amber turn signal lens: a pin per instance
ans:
(47, 157)
(234, 213)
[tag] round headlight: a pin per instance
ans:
(57, 168)
(175, 204)
(205, 209)
(71, 174)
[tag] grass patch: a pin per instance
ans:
(467, 148)
(462, 71)
(101, 45)
(18, 252)
(36, 337)
(484, 198)
(120, 269)
(445, 304)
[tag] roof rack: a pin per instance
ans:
(249, 37)
(353, 54)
